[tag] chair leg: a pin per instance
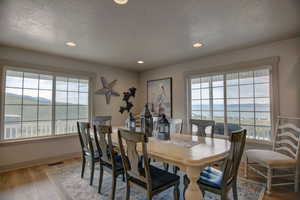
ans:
(100, 179)
(269, 181)
(83, 167)
(297, 179)
(246, 168)
(166, 166)
(186, 182)
(234, 191)
(175, 169)
(224, 196)
(149, 195)
(127, 190)
(123, 177)
(92, 172)
(176, 192)
(114, 180)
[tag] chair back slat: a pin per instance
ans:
(176, 126)
(155, 123)
(287, 151)
(287, 142)
(130, 157)
(202, 125)
(287, 134)
(85, 137)
(102, 135)
(287, 138)
(232, 162)
(102, 120)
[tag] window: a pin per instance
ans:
(38, 104)
(234, 100)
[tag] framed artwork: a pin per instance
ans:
(159, 96)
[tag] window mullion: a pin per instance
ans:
(53, 124)
(67, 104)
(38, 107)
(239, 99)
(254, 114)
(22, 106)
(225, 105)
(211, 98)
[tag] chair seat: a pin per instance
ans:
(270, 158)
(159, 178)
(119, 165)
(211, 177)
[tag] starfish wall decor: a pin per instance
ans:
(107, 90)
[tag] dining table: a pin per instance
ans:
(188, 152)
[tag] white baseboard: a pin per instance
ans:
(31, 163)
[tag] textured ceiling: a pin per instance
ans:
(160, 32)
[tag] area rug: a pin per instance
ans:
(71, 187)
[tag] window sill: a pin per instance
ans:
(36, 139)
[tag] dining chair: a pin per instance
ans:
(202, 126)
(175, 127)
(110, 161)
(283, 156)
(221, 181)
(102, 120)
(143, 175)
(87, 147)
(155, 124)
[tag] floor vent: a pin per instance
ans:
(55, 163)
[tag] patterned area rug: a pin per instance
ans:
(72, 187)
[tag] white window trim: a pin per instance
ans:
(74, 74)
(238, 67)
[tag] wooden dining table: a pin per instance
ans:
(188, 152)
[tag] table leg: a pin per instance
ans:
(193, 191)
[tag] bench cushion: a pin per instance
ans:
(270, 158)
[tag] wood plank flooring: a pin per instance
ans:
(33, 184)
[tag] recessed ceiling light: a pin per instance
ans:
(121, 2)
(140, 62)
(71, 44)
(197, 45)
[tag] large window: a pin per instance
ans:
(234, 100)
(39, 104)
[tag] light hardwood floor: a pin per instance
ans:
(33, 184)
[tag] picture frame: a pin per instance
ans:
(159, 96)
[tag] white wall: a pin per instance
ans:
(289, 73)
(18, 153)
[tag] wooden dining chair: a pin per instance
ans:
(89, 152)
(284, 155)
(102, 120)
(221, 181)
(202, 126)
(176, 125)
(155, 123)
(143, 175)
(110, 160)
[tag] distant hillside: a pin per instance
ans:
(12, 98)
(13, 112)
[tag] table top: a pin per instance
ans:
(184, 149)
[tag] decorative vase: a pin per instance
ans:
(147, 122)
(130, 122)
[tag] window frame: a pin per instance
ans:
(75, 75)
(271, 63)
